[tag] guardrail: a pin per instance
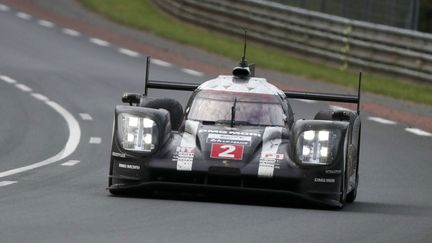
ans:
(349, 42)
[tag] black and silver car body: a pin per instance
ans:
(237, 132)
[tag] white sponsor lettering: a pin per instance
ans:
(333, 172)
(185, 149)
(325, 180)
(230, 132)
(127, 166)
(230, 137)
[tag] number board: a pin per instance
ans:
(226, 151)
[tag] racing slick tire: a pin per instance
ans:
(174, 108)
(110, 183)
(351, 196)
(343, 190)
(116, 193)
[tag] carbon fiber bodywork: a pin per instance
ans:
(267, 160)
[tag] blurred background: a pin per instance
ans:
(408, 14)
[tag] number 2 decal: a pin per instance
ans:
(226, 151)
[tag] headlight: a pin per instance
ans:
(317, 147)
(137, 133)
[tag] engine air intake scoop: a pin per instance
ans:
(241, 72)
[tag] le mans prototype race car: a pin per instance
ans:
(236, 133)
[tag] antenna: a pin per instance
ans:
(244, 47)
(359, 92)
(147, 74)
(243, 62)
(243, 70)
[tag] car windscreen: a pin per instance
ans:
(250, 108)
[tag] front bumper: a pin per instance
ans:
(311, 184)
(212, 189)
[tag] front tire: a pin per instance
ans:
(116, 193)
(343, 196)
(353, 194)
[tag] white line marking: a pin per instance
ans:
(71, 163)
(71, 32)
(95, 140)
(418, 132)
(22, 15)
(7, 183)
(23, 87)
(39, 96)
(4, 7)
(161, 63)
(69, 148)
(128, 52)
(307, 101)
(335, 107)
(381, 120)
(99, 42)
(8, 79)
(192, 72)
(85, 116)
(46, 23)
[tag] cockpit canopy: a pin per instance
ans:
(250, 108)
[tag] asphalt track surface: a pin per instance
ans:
(52, 77)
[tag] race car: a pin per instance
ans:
(237, 132)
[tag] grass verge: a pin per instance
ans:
(142, 14)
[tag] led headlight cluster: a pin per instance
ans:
(317, 146)
(137, 133)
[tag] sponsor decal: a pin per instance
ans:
(184, 154)
(185, 149)
(266, 167)
(333, 172)
(226, 151)
(324, 180)
(272, 156)
(184, 157)
(229, 139)
(230, 132)
(127, 166)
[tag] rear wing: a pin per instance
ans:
(354, 99)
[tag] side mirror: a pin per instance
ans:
(131, 98)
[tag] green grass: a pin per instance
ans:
(142, 14)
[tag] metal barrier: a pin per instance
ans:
(349, 42)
